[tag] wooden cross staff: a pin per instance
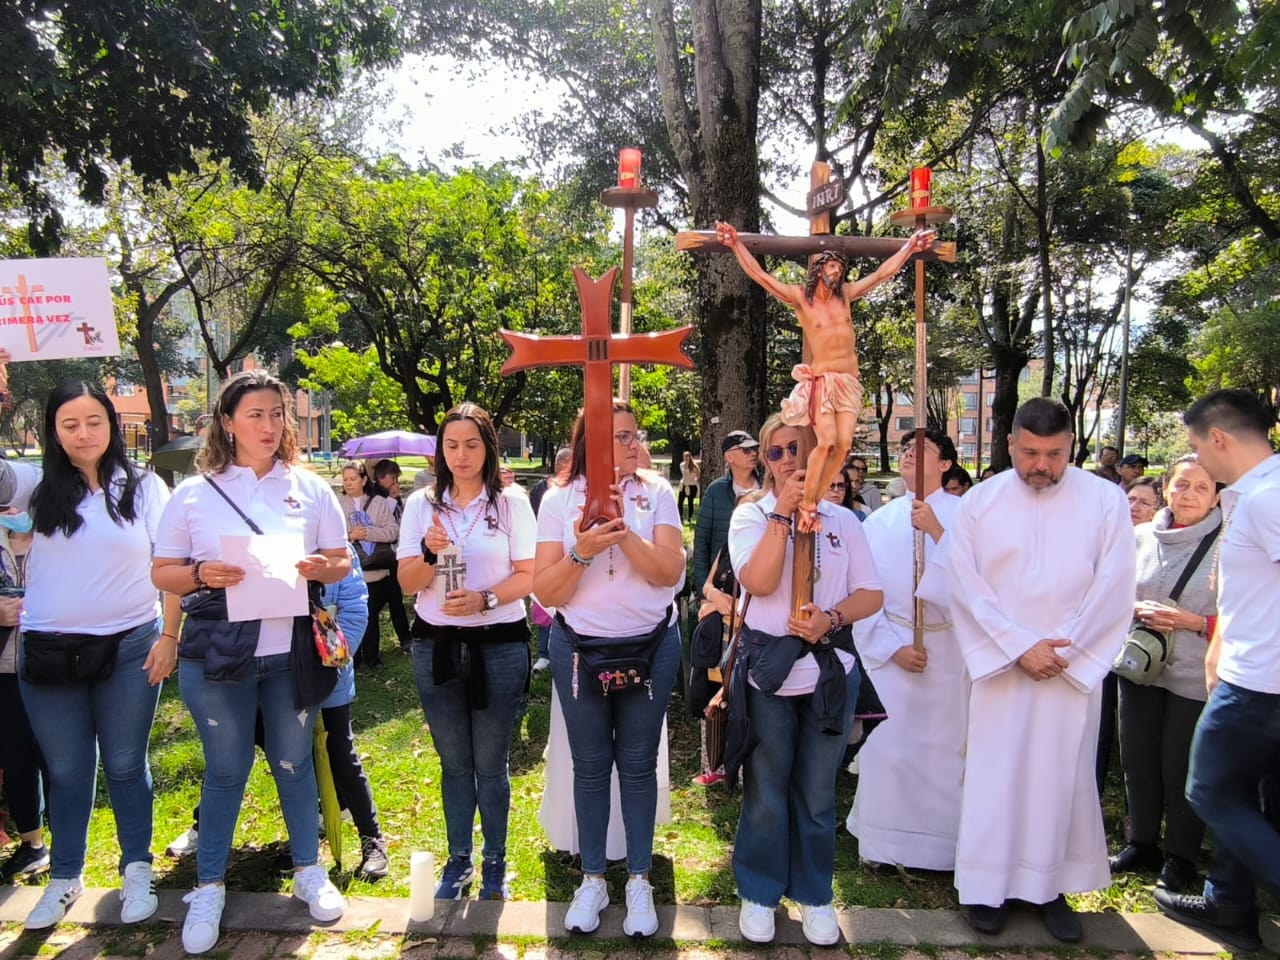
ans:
(824, 196)
(597, 350)
(919, 215)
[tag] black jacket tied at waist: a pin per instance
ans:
(769, 660)
(226, 650)
(458, 652)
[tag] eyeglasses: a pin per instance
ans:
(857, 468)
(627, 437)
(774, 454)
(909, 449)
(837, 485)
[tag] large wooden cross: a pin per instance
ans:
(824, 196)
(597, 350)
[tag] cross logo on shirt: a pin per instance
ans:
(292, 502)
(641, 501)
(834, 541)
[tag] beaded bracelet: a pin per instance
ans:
(577, 558)
(779, 518)
(195, 574)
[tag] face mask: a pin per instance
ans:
(16, 522)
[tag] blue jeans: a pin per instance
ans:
(1236, 746)
(622, 729)
(786, 840)
(75, 722)
(224, 713)
(544, 642)
(474, 744)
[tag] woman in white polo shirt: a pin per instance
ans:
(88, 588)
(800, 691)
(231, 671)
(470, 638)
(613, 585)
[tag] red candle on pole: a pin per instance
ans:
(629, 168)
(920, 177)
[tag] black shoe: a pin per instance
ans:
(374, 864)
(989, 920)
(24, 862)
(1060, 920)
(1135, 858)
(1178, 875)
(1195, 911)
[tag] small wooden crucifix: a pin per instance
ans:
(597, 350)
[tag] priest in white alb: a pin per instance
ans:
(1039, 571)
(907, 807)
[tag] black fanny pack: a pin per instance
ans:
(61, 658)
(615, 666)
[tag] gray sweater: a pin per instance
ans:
(1162, 554)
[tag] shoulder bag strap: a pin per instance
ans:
(1205, 543)
(223, 494)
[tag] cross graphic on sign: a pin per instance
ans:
(597, 350)
(22, 292)
(87, 331)
(450, 568)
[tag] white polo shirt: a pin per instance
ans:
(492, 537)
(98, 580)
(842, 564)
(285, 500)
(1249, 580)
(626, 605)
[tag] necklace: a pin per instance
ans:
(453, 531)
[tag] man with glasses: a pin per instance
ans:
(868, 494)
(907, 808)
(1038, 577)
(740, 452)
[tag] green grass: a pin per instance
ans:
(692, 853)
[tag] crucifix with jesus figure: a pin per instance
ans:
(828, 394)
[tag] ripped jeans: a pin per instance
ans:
(224, 713)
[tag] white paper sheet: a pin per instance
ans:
(272, 586)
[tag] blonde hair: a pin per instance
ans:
(218, 451)
(767, 430)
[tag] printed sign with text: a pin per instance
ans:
(55, 308)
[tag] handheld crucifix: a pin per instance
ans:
(597, 350)
(828, 395)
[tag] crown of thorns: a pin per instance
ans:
(827, 255)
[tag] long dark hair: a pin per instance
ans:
(55, 504)
(488, 436)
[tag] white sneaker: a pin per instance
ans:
(184, 845)
(541, 664)
(819, 924)
(137, 893)
(642, 918)
(312, 886)
(200, 929)
(755, 921)
(583, 915)
(53, 903)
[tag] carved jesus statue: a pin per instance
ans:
(828, 392)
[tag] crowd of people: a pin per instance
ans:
(1058, 609)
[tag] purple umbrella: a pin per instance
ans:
(389, 443)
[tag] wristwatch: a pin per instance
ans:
(490, 600)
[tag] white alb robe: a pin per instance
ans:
(910, 771)
(1019, 566)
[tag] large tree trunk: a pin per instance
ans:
(712, 124)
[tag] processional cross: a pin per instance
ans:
(597, 350)
(824, 196)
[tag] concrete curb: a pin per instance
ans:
(280, 913)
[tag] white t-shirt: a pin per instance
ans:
(492, 538)
(98, 580)
(627, 604)
(842, 565)
(286, 500)
(1249, 580)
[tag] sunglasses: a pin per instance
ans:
(837, 485)
(774, 454)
